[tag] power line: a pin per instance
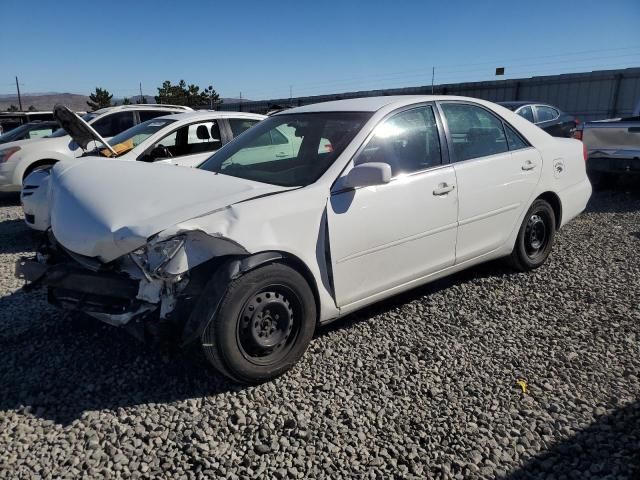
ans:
(457, 67)
(460, 73)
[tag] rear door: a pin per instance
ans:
(496, 172)
(385, 236)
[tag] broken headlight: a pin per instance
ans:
(153, 257)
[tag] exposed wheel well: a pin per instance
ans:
(555, 203)
(250, 262)
(39, 163)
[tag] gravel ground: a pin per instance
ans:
(422, 386)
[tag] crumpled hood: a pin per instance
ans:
(108, 208)
(79, 130)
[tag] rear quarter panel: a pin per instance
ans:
(564, 173)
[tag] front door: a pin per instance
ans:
(384, 236)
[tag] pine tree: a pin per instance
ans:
(100, 99)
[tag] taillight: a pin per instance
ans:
(577, 134)
(585, 154)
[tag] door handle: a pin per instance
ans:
(528, 165)
(443, 189)
(281, 155)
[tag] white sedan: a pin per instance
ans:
(249, 253)
(184, 139)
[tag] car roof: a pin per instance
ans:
(26, 114)
(212, 114)
(372, 104)
(143, 106)
(521, 103)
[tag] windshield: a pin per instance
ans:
(131, 138)
(288, 150)
(14, 134)
(87, 117)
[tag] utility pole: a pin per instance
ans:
(141, 97)
(433, 77)
(19, 97)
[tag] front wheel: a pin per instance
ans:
(535, 238)
(263, 326)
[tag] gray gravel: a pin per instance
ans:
(422, 386)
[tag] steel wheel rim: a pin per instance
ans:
(268, 325)
(536, 235)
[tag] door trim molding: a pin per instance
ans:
(492, 213)
(400, 241)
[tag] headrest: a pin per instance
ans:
(202, 132)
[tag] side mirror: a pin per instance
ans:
(367, 175)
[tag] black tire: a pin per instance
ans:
(263, 326)
(535, 238)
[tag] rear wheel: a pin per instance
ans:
(263, 326)
(535, 238)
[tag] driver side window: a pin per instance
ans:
(408, 142)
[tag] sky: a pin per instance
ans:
(265, 50)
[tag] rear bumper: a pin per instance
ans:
(613, 165)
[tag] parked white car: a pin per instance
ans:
(248, 258)
(184, 139)
(18, 159)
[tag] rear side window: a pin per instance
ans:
(514, 140)
(40, 132)
(203, 137)
(474, 131)
(149, 114)
(526, 112)
(111, 125)
(408, 142)
(546, 114)
(239, 125)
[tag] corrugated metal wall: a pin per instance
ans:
(589, 96)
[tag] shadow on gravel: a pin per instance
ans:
(59, 366)
(16, 237)
(608, 448)
(9, 199)
(624, 197)
(492, 269)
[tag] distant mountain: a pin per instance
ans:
(78, 103)
(46, 101)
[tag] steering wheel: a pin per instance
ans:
(169, 155)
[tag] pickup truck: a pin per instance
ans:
(613, 148)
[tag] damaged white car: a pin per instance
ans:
(249, 253)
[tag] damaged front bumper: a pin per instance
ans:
(153, 287)
(107, 296)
